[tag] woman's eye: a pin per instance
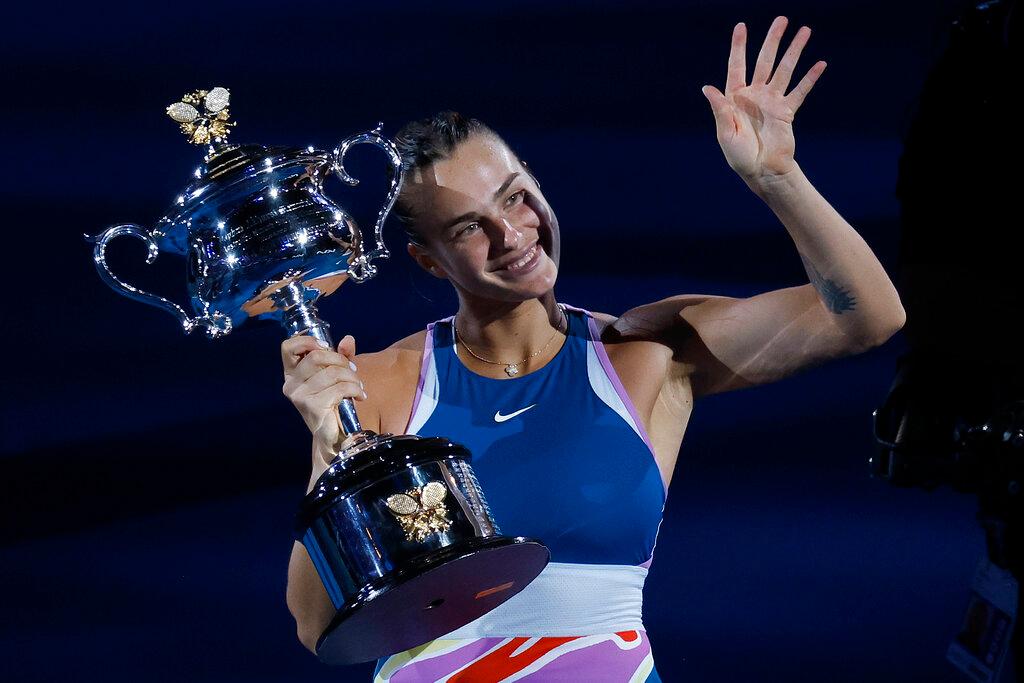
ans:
(513, 199)
(466, 229)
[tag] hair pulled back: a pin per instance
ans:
(424, 141)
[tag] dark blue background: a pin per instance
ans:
(148, 479)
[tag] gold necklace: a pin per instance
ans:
(511, 369)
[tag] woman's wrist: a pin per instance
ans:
(321, 459)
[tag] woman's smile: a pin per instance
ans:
(523, 264)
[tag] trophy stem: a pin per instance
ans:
(299, 316)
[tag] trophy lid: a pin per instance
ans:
(227, 169)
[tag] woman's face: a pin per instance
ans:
(486, 226)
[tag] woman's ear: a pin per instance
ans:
(426, 262)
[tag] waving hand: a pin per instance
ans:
(754, 121)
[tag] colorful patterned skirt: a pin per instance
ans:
(604, 601)
(613, 657)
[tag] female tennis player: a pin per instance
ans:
(575, 418)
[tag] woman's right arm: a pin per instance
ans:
(316, 379)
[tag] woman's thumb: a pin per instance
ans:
(347, 346)
(720, 108)
(713, 95)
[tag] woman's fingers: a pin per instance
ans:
(330, 376)
(315, 360)
(329, 398)
(736, 76)
(783, 74)
(316, 379)
(796, 97)
(763, 69)
(319, 398)
(294, 349)
(769, 49)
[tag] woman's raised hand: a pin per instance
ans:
(316, 379)
(754, 121)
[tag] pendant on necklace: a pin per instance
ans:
(512, 369)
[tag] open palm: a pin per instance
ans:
(754, 122)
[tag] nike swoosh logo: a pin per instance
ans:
(498, 417)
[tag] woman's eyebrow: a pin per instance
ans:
(464, 217)
(504, 186)
(473, 214)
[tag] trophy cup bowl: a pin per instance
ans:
(397, 527)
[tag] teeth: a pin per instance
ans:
(523, 261)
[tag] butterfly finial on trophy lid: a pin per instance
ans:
(212, 124)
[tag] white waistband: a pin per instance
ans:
(567, 600)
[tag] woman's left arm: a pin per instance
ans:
(850, 305)
(754, 128)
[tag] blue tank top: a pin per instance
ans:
(561, 453)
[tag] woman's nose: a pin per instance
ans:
(513, 237)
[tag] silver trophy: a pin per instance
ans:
(397, 526)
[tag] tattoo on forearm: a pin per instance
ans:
(836, 298)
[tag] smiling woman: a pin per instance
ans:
(574, 418)
(564, 457)
(528, 386)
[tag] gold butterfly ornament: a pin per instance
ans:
(421, 511)
(210, 124)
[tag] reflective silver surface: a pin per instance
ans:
(261, 239)
(257, 220)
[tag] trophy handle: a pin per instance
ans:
(361, 267)
(216, 325)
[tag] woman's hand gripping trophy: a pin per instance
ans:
(316, 379)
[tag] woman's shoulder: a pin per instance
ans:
(604, 324)
(626, 337)
(603, 320)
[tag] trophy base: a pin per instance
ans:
(431, 597)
